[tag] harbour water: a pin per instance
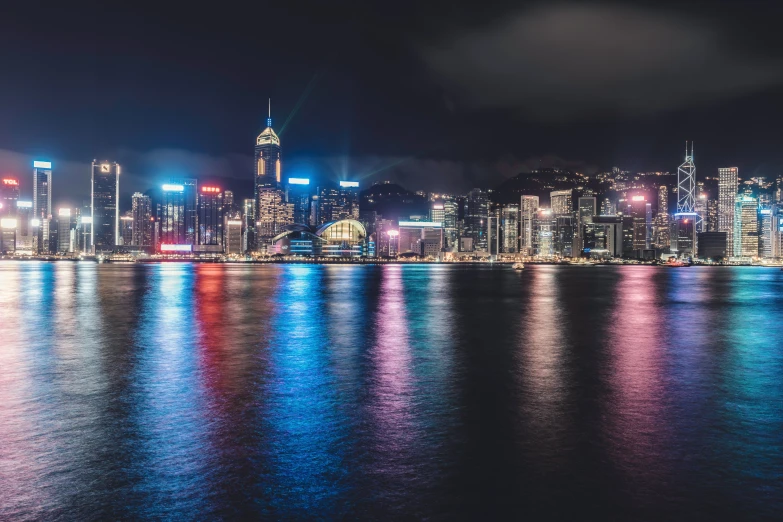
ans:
(207, 391)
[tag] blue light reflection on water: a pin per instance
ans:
(195, 391)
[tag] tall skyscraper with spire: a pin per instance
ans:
(686, 183)
(272, 213)
(683, 240)
(267, 156)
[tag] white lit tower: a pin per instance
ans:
(684, 229)
(686, 184)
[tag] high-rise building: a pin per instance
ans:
(686, 184)
(746, 235)
(191, 208)
(42, 203)
(565, 230)
(727, 196)
(210, 217)
(476, 219)
(437, 212)
(9, 195)
(450, 223)
(683, 234)
(233, 240)
(544, 229)
(661, 231)
(105, 209)
(8, 235)
(141, 211)
(267, 157)
(297, 194)
(126, 229)
(64, 236)
(325, 206)
(172, 221)
(640, 211)
(26, 240)
(766, 229)
(561, 202)
(348, 200)
(42, 189)
(272, 216)
(527, 214)
(509, 226)
(249, 225)
(587, 208)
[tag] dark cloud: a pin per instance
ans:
(569, 61)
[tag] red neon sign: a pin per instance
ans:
(9, 181)
(210, 189)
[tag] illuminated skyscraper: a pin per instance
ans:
(9, 195)
(561, 202)
(141, 211)
(42, 189)
(450, 223)
(727, 196)
(25, 231)
(42, 204)
(509, 226)
(686, 184)
(126, 229)
(248, 225)
(64, 235)
(477, 219)
(272, 216)
(104, 206)
(267, 156)
(210, 217)
(766, 228)
(640, 211)
(172, 222)
(544, 230)
(348, 200)
(297, 194)
(587, 208)
(527, 214)
(661, 231)
(746, 235)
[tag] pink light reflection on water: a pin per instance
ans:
(637, 427)
(391, 387)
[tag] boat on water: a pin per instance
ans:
(676, 264)
(518, 266)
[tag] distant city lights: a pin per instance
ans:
(420, 224)
(176, 248)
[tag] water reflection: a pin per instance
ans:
(307, 430)
(280, 392)
(636, 414)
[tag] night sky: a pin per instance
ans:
(433, 98)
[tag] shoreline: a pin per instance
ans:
(363, 262)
